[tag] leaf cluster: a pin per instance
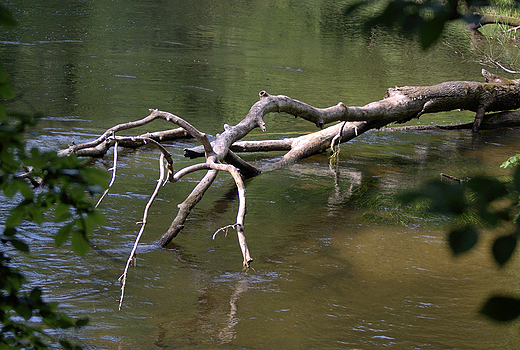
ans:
(41, 184)
(495, 204)
(426, 19)
(511, 161)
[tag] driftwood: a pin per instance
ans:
(399, 105)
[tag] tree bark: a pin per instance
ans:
(399, 105)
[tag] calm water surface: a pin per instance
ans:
(338, 264)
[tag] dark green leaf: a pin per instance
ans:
(25, 190)
(81, 322)
(24, 311)
(10, 189)
(501, 308)
(64, 321)
(96, 176)
(63, 234)
(6, 92)
(96, 217)
(66, 344)
(79, 244)
(18, 244)
(503, 248)
(9, 231)
(36, 294)
(62, 212)
(16, 215)
(36, 214)
(462, 239)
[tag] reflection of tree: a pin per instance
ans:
(227, 334)
(338, 196)
(207, 325)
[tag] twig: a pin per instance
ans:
(452, 177)
(499, 65)
(504, 68)
(338, 138)
(222, 229)
(241, 208)
(114, 167)
(158, 146)
(122, 279)
(165, 154)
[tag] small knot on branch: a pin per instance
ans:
(342, 105)
(263, 94)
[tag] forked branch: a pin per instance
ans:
(399, 105)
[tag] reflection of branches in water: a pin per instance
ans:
(227, 334)
(338, 197)
(215, 323)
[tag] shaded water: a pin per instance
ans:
(338, 264)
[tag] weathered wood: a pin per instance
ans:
(100, 146)
(399, 105)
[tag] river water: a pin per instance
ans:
(338, 264)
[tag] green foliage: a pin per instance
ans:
(426, 19)
(39, 182)
(495, 204)
(512, 161)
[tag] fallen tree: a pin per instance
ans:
(487, 18)
(399, 105)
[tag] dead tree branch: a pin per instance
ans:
(141, 231)
(114, 168)
(399, 105)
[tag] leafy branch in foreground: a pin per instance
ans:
(426, 19)
(38, 183)
(494, 204)
(62, 186)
